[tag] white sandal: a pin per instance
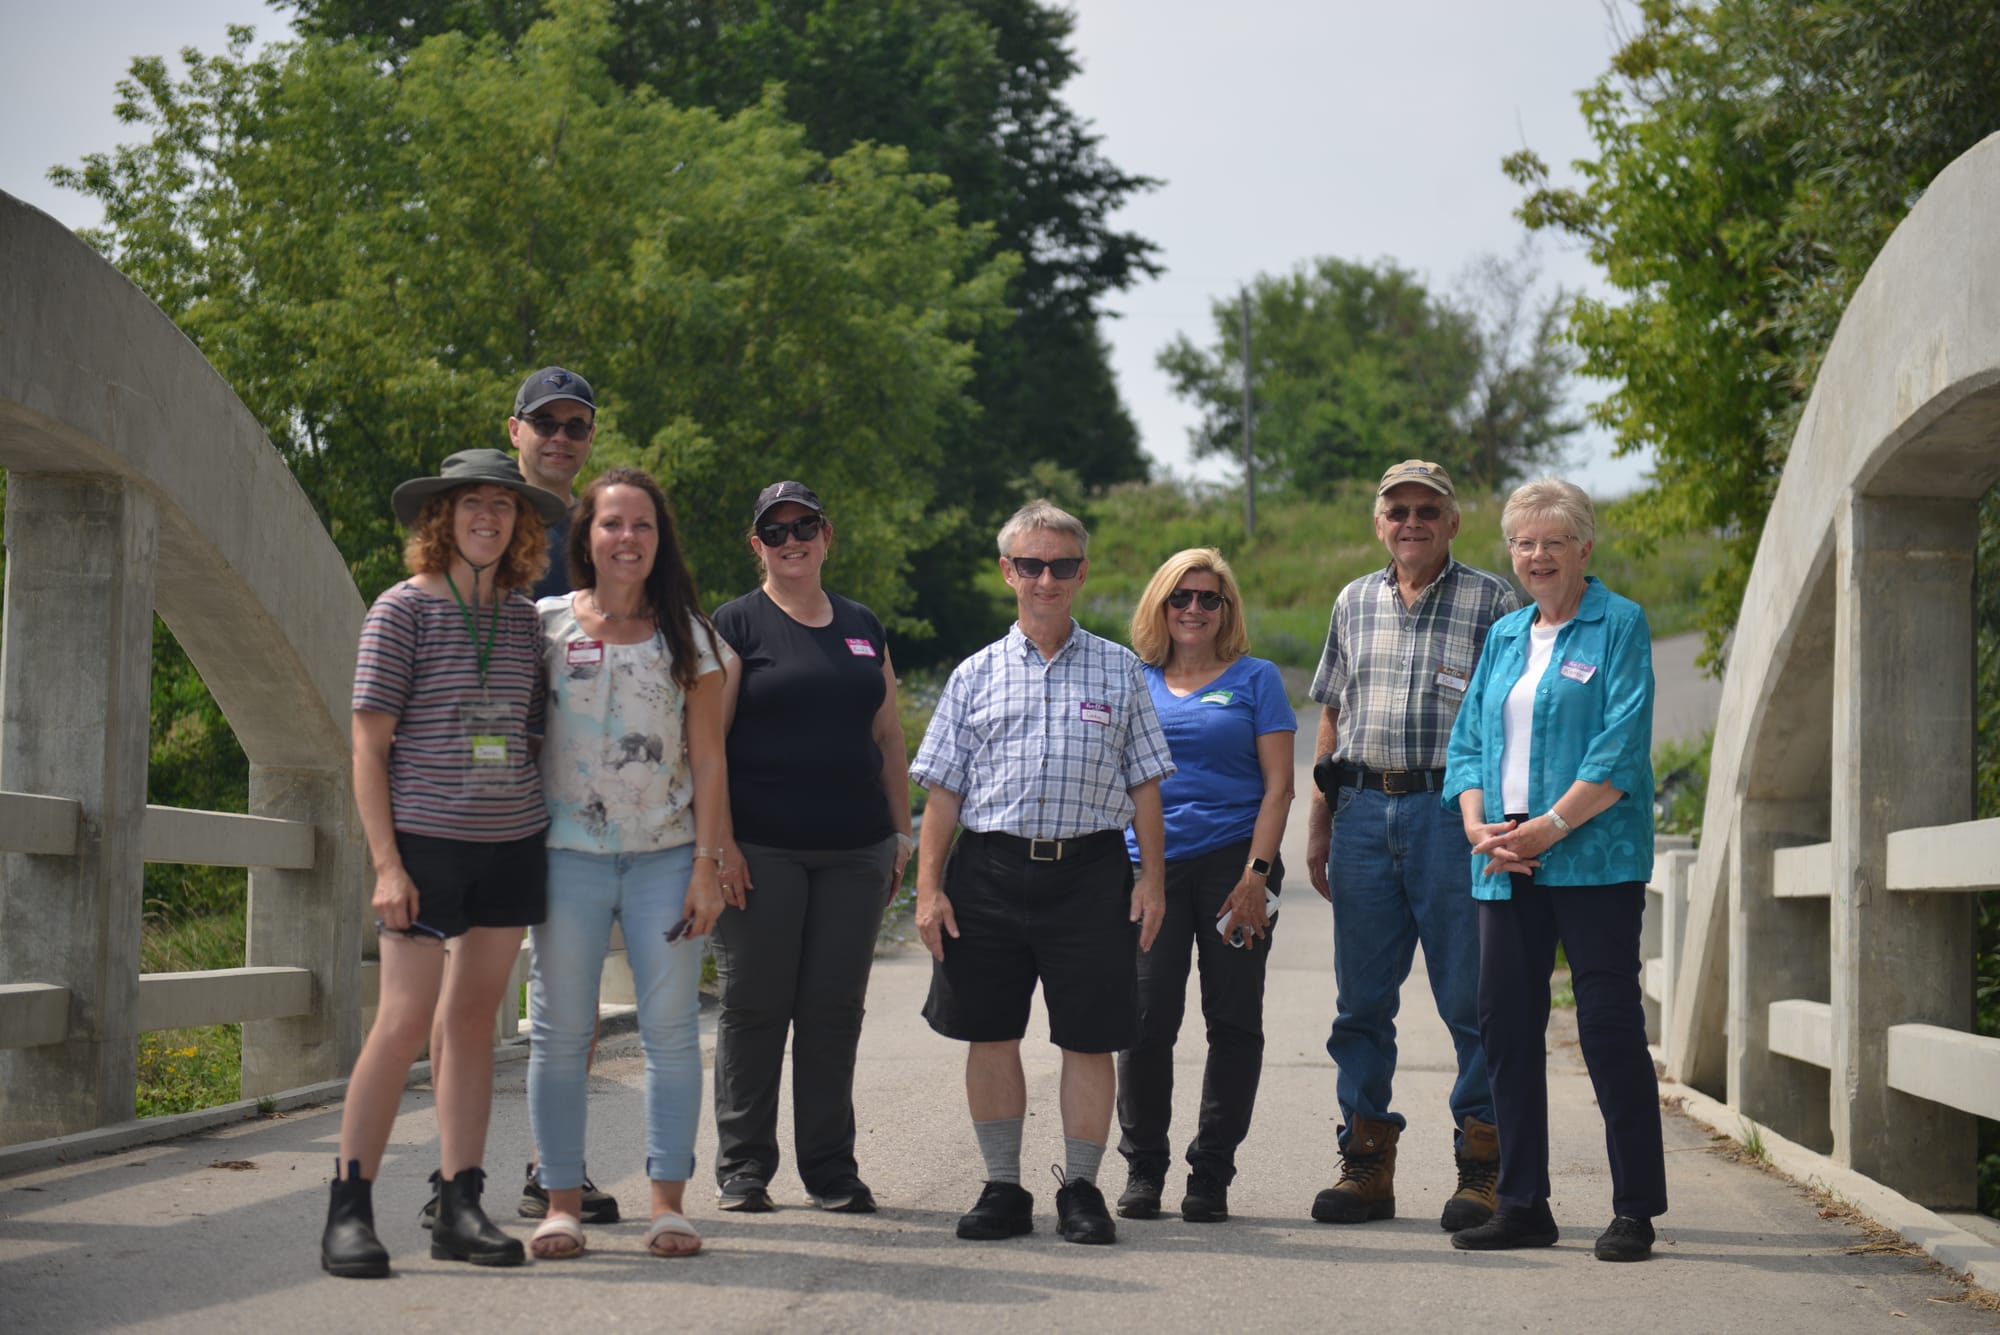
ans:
(678, 1226)
(558, 1226)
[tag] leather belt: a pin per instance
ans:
(1393, 782)
(1054, 850)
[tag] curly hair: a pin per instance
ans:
(1149, 619)
(670, 588)
(431, 544)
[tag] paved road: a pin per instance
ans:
(219, 1231)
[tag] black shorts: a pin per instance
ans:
(1067, 923)
(463, 884)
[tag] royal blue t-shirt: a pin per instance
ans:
(1211, 798)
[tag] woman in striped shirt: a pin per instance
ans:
(447, 687)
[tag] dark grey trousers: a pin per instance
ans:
(795, 960)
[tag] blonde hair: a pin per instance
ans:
(1550, 498)
(1149, 620)
(431, 545)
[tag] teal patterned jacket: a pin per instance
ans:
(1599, 729)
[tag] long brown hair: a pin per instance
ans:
(432, 544)
(670, 589)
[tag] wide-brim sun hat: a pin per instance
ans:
(474, 468)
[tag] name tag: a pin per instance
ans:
(1092, 712)
(1451, 679)
(1576, 671)
(584, 653)
(489, 749)
(861, 648)
(1218, 697)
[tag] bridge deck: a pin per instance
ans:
(219, 1231)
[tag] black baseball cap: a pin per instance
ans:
(798, 493)
(549, 384)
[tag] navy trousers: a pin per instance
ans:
(1598, 926)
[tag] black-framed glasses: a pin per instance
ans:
(576, 428)
(1430, 514)
(679, 929)
(805, 528)
(1031, 567)
(1209, 598)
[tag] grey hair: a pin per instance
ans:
(1043, 514)
(1550, 498)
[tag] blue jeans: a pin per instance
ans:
(1401, 872)
(645, 893)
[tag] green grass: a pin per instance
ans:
(181, 1070)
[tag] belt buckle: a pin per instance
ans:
(1392, 785)
(1036, 847)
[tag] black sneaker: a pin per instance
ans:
(599, 1207)
(744, 1193)
(1141, 1199)
(846, 1195)
(1003, 1210)
(1505, 1231)
(1207, 1199)
(1627, 1239)
(1080, 1212)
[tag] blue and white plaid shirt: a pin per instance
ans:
(1044, 749)
(1398, 674)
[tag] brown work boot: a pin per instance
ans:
(1478, 1156)
(1367, 1185)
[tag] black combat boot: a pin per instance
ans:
(463, 1232)
(349, 1247)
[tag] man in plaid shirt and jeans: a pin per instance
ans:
(1044, 746)
(1379, 845)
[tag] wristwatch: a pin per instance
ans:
(1261, 866)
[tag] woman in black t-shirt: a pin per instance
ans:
(818, 791)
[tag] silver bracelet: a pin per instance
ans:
(1560, 823)
(712, 854)
(906, 843)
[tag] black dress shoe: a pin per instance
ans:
(1080, 1213)
(1627, 1239)
(1003, 1210)
(1141, 1199)
(1506, 1231)
(1207, 1200)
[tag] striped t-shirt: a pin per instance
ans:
(417, 663)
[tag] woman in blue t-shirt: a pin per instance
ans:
(1230, 726)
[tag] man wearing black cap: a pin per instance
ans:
(554, 423)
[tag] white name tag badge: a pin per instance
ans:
(860, 648)
(1092, 712)
(1575, 671)
(1451, 679)
(584, 653)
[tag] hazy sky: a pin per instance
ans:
(1282, 129)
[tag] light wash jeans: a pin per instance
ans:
(645, 894)
(1401, 872)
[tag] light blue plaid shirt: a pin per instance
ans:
(1044, 749)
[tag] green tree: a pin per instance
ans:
(373, 256)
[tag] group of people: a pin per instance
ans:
(1098, 821)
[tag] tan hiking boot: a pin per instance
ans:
(1478, 1156)
(1367, 1185)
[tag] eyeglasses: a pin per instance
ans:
(679, 929)
(805, 528)
(576, 428)
(1210, 599)
(1031, 567)
(1548, 546)
(1430, 514)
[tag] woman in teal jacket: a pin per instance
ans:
(1550, 768)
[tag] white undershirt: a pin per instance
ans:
(1518, 722)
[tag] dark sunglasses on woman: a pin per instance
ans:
(1210, 599)
(805, 528)
(1031, 567)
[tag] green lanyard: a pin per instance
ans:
(472, 624)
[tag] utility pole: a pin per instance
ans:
(1249, 459)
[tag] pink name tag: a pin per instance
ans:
(583, 653)
(861, 648)
(1092, 712)
(1576, 671)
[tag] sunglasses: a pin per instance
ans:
(1430, 514)
(576, 428)
(1031, 567)
(805, 528)
(679, 929)
(1210, 599)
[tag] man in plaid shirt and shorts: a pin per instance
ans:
(1379, 845)
(1043, 747)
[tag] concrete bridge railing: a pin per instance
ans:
(1813, 961)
